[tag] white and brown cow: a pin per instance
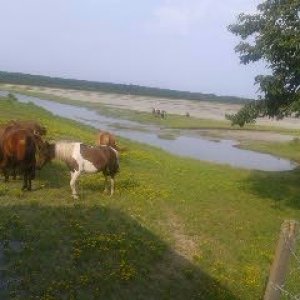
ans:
(83, 158)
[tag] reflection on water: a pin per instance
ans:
(223, 151)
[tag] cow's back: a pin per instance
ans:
(18, 145)
(32, 126)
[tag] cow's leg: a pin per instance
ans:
(74, 176)
(105, 184)
(14, 174)
(112, 185)
(29, 182)
(25, 180)
(6, 175)
(30, 176)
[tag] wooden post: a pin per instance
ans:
(285, 246)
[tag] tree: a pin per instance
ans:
(271, 35)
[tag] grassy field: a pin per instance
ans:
(175, 229)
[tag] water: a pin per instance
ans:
(222, 151)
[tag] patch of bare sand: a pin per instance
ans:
(184, 245)
(198, 109)
(243, 135)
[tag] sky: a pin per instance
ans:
(175, 44)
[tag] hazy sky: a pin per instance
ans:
(177, 44)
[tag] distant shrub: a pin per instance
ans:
(12, 97)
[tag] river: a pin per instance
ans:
(203, 148)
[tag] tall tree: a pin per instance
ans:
(271, 35)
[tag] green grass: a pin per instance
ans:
(175, 229)
(290, 150)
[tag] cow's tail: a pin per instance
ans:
(25, 149)
(116, 162)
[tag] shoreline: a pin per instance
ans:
(110, 106)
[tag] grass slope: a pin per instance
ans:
(175, 229)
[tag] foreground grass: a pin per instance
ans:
(176, 228)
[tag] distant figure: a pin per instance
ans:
(187, 114)
(159, 113)
(163, 114)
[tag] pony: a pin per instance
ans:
(18, 149)
(159, 113)
(163, 114)
(81, 158)
(32, 127)
(105, 138)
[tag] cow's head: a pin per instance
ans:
(45, 154)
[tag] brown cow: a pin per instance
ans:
(18, 150)
(35, 128)
(105, 138)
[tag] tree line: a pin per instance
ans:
(129, 89)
